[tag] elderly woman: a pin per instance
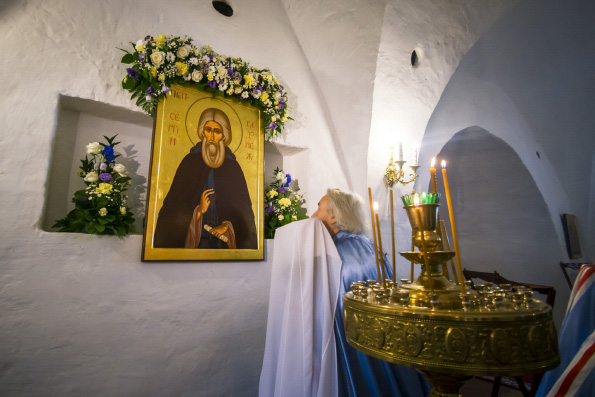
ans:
(360, 374)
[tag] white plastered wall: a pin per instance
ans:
(81, 314)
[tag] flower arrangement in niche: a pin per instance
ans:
(282, 204)
(100, 208)
(157, 63)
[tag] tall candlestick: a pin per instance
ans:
(447, 244)
(400, 151)
(392, 229)
(374, 230)
(433, 176)
(412, 265)
(381, 255)
(452, 225)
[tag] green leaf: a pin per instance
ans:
(128, 58)
(128, 83)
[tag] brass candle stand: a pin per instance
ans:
(447, 335)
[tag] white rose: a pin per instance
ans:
(196, 76)
(238, 90)
(277, 96)
(93, 148)
(194, 61)
(157, 57)
(222, 72)
(120, 168)
(183, 51)
(280, 175)
(91, 177)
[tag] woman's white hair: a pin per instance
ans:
(348, 210)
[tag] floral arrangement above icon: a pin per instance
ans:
(283, 205)
(157, 63)
(100, 208)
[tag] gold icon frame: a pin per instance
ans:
(174, 134)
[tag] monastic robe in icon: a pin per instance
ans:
(230, 203)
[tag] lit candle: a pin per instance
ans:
(423, 242)
(414, 162)
(452, 225)
(392, 229)
(381, 254)
(374, 230)
(433, 175)
(400, 151)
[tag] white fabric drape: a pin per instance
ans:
(300, 353)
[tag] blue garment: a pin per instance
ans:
(360, 374)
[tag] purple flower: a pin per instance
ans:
(259, 87)
(237, 76)
(212, 83)
(141, 56)
(84, 199)
(230, 72)
(176, 69)
(288, 179)
(282, 189)
(211, 57)
(132, 73)
(272, 126)
(164, 89)
(103, 166)
(104, 176)
(270, 209)
(149, 91)
(96, 166)
(282, 100)
(281, 106)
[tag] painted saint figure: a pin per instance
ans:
(208, 204)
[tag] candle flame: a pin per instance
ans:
(443, 163)
(433, 163)
(416, 200)
(375, 206)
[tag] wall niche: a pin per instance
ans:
(80, 121)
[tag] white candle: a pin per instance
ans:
(400, 151)
(414, 162)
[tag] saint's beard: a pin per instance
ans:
(213, 153)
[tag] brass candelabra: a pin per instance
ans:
(394, 173)
(448, 335)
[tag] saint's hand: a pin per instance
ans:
(219, 230)
(205, 201)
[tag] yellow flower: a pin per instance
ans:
(210, 77)
(283, 119)
(160, 39)
(182, 68)
(229, 91)
(123, 210)
(140, 47)
(249, 79)
(153, 71)
(161, 77)
(103, 212)
(281, 217)
(284, 202)
(264, 96)
(104, 188)
(273, 118)
(275, 81)
(273, 193)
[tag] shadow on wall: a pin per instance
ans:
(502, 221)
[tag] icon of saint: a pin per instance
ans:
(208, 204)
